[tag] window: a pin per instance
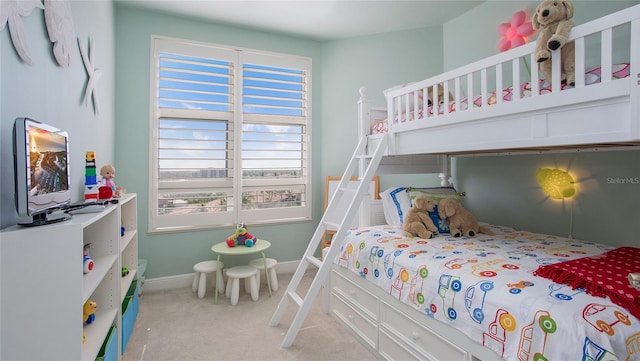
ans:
(230, 136)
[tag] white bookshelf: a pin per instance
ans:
(43, 287)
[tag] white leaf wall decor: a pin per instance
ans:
(10, 13)
(59, 20)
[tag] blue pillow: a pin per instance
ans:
(441, 224)
(436, 194)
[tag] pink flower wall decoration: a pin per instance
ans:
(515, 32)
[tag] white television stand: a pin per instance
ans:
(43, 287)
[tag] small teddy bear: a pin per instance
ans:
(440, 95)
(242, 237)
(552, 20)
(461, 221)
(416, 222)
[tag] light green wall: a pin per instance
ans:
(51, 94)
(606, 209)
(474, 35)
(376, 62)
(176, 253)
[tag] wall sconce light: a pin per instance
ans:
(556, 183)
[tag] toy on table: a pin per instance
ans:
(87, 260)
(108, 172)
(242, 237)
(88, 311)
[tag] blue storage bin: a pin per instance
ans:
(109, 349)
(130, 307)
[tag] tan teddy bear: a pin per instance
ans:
(551, 19)
(440, 95)
(403, 108)
(417, 222)
(461, 221)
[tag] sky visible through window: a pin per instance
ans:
(205, 84)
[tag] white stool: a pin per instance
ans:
(234, 274)
(200, 278)
(271, 268)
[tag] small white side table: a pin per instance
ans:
(261, 245)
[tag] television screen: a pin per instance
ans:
(41, 159)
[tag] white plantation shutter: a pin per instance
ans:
(273, 91)
(230, 140)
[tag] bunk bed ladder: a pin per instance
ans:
(354, 196)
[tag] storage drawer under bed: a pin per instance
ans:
(363, 326)
(391, 349)
(421, 338)
(362, 299)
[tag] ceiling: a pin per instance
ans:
(316, 19)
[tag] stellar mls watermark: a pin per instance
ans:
(623, 180)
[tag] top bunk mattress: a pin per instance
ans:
(486, 287)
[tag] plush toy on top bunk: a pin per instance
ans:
(440, 95)
(416, 222)
(552, 19)
(421, 98)
(461, 221)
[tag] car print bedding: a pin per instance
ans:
(485, 287)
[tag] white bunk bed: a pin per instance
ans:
(594, 114)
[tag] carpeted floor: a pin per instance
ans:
(177, 325)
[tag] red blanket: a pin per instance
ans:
(602, 275)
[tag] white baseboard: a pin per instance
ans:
(186, 280)
(168, 283)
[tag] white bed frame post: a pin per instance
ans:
(445, 176)
(634, 92)
(364, 116)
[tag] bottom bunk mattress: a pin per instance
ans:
(485, 287)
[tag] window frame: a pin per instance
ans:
(236, 118)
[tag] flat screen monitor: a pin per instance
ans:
(41, 169)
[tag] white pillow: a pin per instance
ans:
(435, 193)
(395, 203)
